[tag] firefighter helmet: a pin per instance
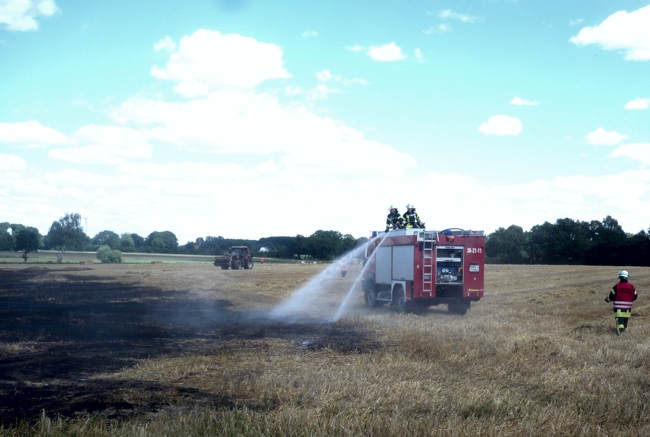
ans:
(392, 207)
(409, 206)
(623, 274)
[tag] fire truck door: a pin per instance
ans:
(383, 265)
(403, 263)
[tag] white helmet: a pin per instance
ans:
(623, 274)
(409, 206)
(392, 207)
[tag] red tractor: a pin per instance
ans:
(415, 268)
(236, 258)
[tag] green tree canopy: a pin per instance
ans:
(107, 255)
(163, 242)
(507, 245)
(108, 238)
(138, 241)
(67, 233)
(126, 242)
(28, 240)
(7, 239)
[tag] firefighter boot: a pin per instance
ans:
(620, 325)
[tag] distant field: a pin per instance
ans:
(49, 256)
(188, 349)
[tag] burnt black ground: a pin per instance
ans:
(72, 326)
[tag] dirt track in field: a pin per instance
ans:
(63, 327)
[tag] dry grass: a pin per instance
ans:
(537, 356)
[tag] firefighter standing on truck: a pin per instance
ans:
(623, 295)
(394, 220)
(411, 218)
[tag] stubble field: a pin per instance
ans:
(188, 349)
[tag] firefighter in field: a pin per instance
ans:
(411, 218)
(394, 220)
(623, 295)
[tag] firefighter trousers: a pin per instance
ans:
(621, 317)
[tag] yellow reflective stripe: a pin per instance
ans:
(621, 313)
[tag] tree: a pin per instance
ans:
(565, 242)
(108, 238)
(126, 242)
(67, 233)
(325, 245)
(610, 243)
(507, 245)
(7, 239)
(138, 241)
(27, 241)
(107, 255)
(164, 242)
(639, 253)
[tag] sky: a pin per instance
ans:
(250, 118)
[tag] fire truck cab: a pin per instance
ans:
(413, 269)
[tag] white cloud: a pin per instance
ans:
(501, 125)
(267, 167)
(638, 104)
(105, 145)
(292, 90)
(441, 28)
(193, 171)
(326, 76)
(418, 55)
(12, 163)
(521, 102)
(208, 60)
(320, 92)
(622, 30)
(386, 53)
(355, 48)
(449, 14)
(230, 122)
(31, 134)
(166, 44)
(637, 151)
(309, 34)
(601, 137)
(20, 15)
(576, 21)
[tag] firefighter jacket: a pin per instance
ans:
(394, 221)
(412, 220)
(623, 295)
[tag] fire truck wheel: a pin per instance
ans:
(371, 299)
(399, 299)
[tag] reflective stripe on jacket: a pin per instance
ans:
(412, 220)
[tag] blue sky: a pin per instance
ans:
(249, 119)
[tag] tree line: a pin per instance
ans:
(569, 241)
(566, 241)
(67, 233)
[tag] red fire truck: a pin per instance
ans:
(417, 268)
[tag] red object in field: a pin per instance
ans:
(417, 268)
